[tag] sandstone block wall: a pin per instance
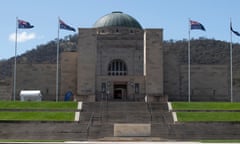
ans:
(86, 71)
(37, 77)
(68, 75)
(5, 90)
(154, 62)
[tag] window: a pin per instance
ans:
(117, 68)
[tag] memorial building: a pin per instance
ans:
(118, 60)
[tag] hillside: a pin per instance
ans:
(203, 51)
(45, 53)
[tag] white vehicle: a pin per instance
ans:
(30, 95)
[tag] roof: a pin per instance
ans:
(118, 19)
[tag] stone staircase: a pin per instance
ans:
(101, 116)
(97, 121)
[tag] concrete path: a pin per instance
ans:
(137, 142)
(103, 142)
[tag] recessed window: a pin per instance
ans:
(117, 67)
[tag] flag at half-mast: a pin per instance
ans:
(196, 25)
(64, 26)
(24, 24)
(235, 32)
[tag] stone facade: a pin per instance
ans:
(37, 77)
(208, 83)
(154, 62)
(5, 90)
(68, 73)
(99, 48)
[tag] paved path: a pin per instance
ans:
(93, 142)
(173, 142)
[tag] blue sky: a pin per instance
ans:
(171, 15)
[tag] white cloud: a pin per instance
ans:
(22, 37)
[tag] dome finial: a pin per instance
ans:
(117, 12)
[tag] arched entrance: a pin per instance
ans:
(120, 91)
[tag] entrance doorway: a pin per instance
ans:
(120, 91)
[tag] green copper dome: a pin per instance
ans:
(118, 19)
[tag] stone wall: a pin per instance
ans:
(37, 77)
(208, 82)
(154, 62)
(236, 83)
(5, 90)
(122, 45)
(68, 75)
(86, 68)
(77, 131)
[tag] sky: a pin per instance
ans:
(170, 15)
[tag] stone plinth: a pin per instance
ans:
(132, 130)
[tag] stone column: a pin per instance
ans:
(154, 63)
(87, 47)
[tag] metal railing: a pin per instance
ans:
(149, 107)
(90, 122)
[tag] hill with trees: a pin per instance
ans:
(45, 53)
(203, 51)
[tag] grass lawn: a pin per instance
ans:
(208, 116)
(205, 106)
(28, 141)
(226, 115)
(37, 116)
(37, 105)
(220, 141)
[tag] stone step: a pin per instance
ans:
(112, 117)
(132, 139)
(106, 114)
(162, 117)
(115, 106)
(101, 130)
(157, 106)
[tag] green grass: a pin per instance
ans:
(205, 106)
(37, 116)
(54, 115)
(220, 141)
(24, 140)
(221, 111)
(37, 105)
(208, 116)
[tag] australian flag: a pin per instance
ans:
(196, 25)
(24, 24)
(235, 32)
(65, 26)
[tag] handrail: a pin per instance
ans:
(101, 107)
(90, 123)
(150, 110)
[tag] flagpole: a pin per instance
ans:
(231, 78)
(57, 73)
(15, 62)
(189, 65)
